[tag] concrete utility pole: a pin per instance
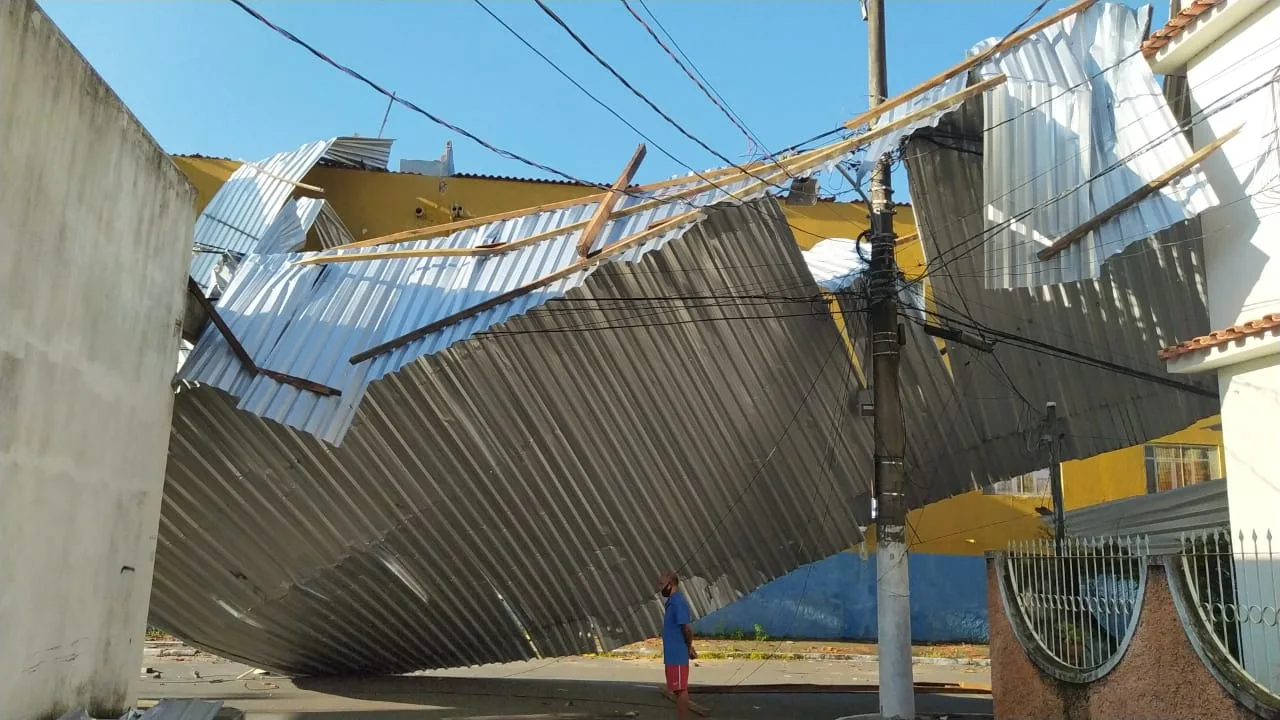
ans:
(1050, 440)
(893, 598)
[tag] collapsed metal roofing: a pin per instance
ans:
(491, 441)
(1079, 126)
(1077, 130)
(310, 321)
(1089, 345)
(239, 215)
(515, 493)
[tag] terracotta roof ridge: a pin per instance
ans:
(1270, 321)
(1174, 27)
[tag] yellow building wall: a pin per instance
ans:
(379, 203)
(1123, 473)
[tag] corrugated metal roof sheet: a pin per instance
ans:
(533, 478)
(1079, 125)
(1146, 297)
(240, 214)
(1163, 517)
(309, 320)
(330, 230)
(288, 232)
(946, 455)
(360, 152)
(177, 709)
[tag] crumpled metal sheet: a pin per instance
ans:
(309, 320)
(1146, 297)
(240, 214)
(516, 493)
(1079, 125)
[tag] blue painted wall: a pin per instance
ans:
(835, 599)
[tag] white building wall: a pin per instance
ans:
(1242, 237)
(1242, 256)
(95, 237)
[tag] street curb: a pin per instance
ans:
(969, 662)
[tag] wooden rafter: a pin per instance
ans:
(798, 163)
(263, 171)
(892, 103)
(1135, 197)
(604, 211)
(243, 355)
(622, 245)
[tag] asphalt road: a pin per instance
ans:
(585, 688)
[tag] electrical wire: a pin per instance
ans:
(627, 84)
(622, 119)
(751, 137)
(393, 97)
(968, 244)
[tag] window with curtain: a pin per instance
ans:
(1170, 467)
(1032, 484)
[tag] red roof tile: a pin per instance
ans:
(1270, 321)
(1173, 28)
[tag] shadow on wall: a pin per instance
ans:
(835, 599)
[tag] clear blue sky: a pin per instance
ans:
(204, 77)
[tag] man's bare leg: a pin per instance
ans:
(682, 705)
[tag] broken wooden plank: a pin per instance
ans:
(243, 355)
(301, 186)
(799, 163)
(223, 329)
(896, 101)
(450, 228)
(1135, 197)
(604, 211)
(621, 246)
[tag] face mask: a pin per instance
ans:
(666, 591)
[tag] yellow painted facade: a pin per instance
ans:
(379, 203)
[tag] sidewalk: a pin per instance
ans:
(809, 650)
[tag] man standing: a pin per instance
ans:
(677, 641)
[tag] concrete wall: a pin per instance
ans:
(1160, 677)
(1242, 236)
(1242, 252)
(95, 236)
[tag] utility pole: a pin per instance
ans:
(893, 598)
(1050, 440)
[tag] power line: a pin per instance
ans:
(627, 84)
(968, 244)
(750, 136)
(393, 97)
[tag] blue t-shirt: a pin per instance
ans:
(674, 649)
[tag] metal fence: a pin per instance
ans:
(1234, 582)
(1080, 602)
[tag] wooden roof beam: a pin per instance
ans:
(604, 211)
(870, 116)
(1135, 197)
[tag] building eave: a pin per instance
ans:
(1234, 352)
(1191, 31)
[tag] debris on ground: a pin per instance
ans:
(168, 709)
